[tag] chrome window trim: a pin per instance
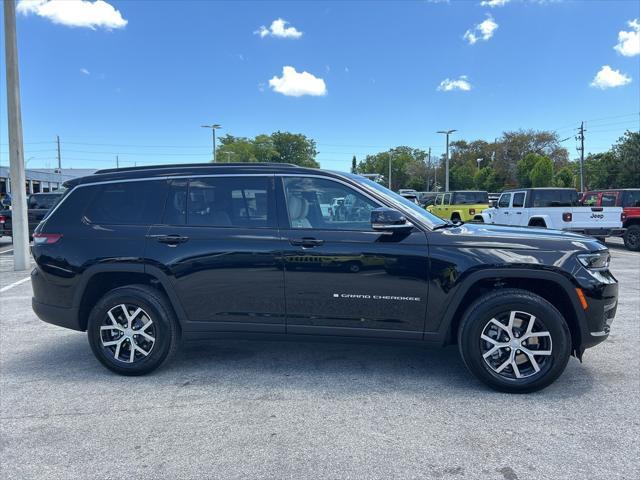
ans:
(384, 202)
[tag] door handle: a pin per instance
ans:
(171, 240)
(518, 213)
(306, 242)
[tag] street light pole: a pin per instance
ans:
(446, 181)
(213, 128)
(19, 229)
(390, 155)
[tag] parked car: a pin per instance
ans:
(629, 200)
(460, 206)
(426, 198)
(556, 208)
(139, 257)
(38, 204)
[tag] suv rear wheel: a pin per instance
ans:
(132, 330)
(632, 238)
(515, 341)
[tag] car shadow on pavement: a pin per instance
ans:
(327, 368)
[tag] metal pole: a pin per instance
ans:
(428, 168)
(117, 162)
(446, 188)
(214, 144)
(59, 163)
(390, 171)
(582, 157)
(20, 229)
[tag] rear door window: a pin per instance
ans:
(632, 199)
(246, 202)
(518, 199)
(127, 203)
(590, 200)
(608, 200)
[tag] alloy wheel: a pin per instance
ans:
(128, 333)
(516, 345)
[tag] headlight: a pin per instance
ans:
(595, 261)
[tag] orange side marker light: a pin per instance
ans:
(583, 300)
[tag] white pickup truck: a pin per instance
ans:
(556, 208)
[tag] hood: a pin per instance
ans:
(527, 238)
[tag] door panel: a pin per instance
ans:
(222, 251)
(341, 277)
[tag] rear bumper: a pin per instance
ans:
(62, 317)
(598, 232)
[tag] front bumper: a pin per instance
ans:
(602, 301)
(598, 232)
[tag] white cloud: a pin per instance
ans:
(609, 78)
(629, 42)
(75, 13)
(278, 29)
(482, 31)
(494, 3)
(294, 84)
(84, 71)
(448, 85)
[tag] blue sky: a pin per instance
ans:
(142, 89)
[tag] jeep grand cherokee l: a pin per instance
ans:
(139, 257)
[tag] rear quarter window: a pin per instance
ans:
(127, 203)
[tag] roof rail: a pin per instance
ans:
(191, 165)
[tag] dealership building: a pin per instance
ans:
(42, 179)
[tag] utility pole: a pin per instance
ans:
(117, 162)
(446, 180)
(390, 155)
(19, 225)
(59, 163)
(580, 137)
(428, 168)
(213, 128)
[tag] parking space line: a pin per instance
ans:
(14, 284)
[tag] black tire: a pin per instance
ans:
(477, 319)
(154, 306)
(455, 218)
(632, 238)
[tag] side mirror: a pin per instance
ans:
(389, 220)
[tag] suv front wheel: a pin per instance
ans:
(514, 340)
(132, 330)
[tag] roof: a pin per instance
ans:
(538, 188)
(187, 170)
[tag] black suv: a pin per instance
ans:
(141, 257)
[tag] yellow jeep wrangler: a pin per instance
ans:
(463, 205)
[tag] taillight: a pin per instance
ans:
(623, 217)
(3, 219)
(567, 216)
(472, 211)
(46, 238)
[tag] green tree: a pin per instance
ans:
(627, 153)
(461, 177)
(284, 147)
(408, 168)
(542, 173)
(354, 165)
(524, 167)
(565, 177)
(295, 148)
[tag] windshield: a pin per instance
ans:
(555, 198)
(403, 203)
(470, 198)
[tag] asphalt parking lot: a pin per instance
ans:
(239, 409)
